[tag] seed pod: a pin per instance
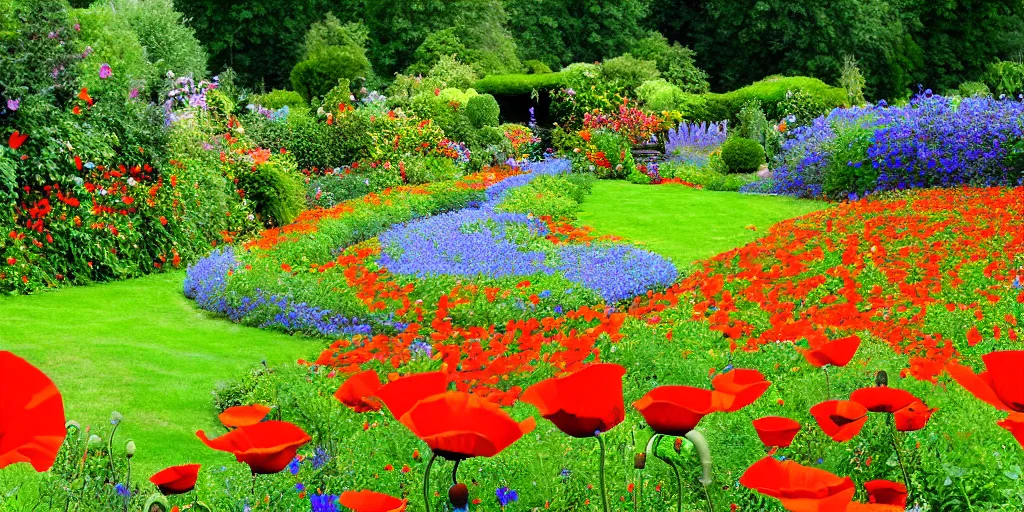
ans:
(881, 378)
(129, 449)
(458, 494)
(640, 461)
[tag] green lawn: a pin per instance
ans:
(682, 223)
(141, 348)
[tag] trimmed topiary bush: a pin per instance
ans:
(519, 83)
(482, 110)
(317, 75)
(628, 71)
(536, 67)
(742, 155)
(772, 92)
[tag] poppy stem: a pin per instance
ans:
(828, 387)
(426, 483)
(128, 486)
(679, 487)
(604, 488)
(455, 472)
(899, 458)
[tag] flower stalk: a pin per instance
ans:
(426, 483)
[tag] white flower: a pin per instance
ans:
(132, 182)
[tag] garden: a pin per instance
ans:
(490, 255)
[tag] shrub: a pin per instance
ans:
(536, 67)
(429, 169)
(604, 153)
(852, 80)
(629, 71)
(170, 44)
(339, 97)
(675, 63)
(441, 43)
(449, 72)
(275, 190)
(112, 42)
(519, 84)
(278, 98)
(1005, 77)
(742, 155)
(482, 110)
(318, 74)
(331, 32)
(969, 89)
(772, 92)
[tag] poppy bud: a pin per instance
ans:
(640, 461)
(129, 449)
(458, 494)
(678, 445)
(115, 418)
(157, 503)
(882, 378)
(95, 441)
(72, 424)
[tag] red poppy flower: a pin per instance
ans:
(369, 501)
(458, 425)
(840, 419)
(31, 415)
(885, 492)
(266, 447)
(403, 393)
(836, 353)
(581, 403)
(1002, 385)
(799, 488)
(84, 96)
(676, 410)
(913, 417)
(1014, 424)
(883, 398)
(176, 479)
(243, 415)
(359, 392)
(744, 384)
(16, 139)
(776, 430)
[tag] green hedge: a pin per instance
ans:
(519, 83)
(771, 91)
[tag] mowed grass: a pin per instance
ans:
(141, 348)
(682, 223)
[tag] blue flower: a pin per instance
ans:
(122, 490)
(506, 496)
(324, 503)
(293, 466)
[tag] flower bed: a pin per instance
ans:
(383, 269)
(933, 141)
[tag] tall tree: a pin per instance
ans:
(741, 41)
(260, 39)
(560, 32)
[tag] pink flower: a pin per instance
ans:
(105, 71)
(134, 94)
